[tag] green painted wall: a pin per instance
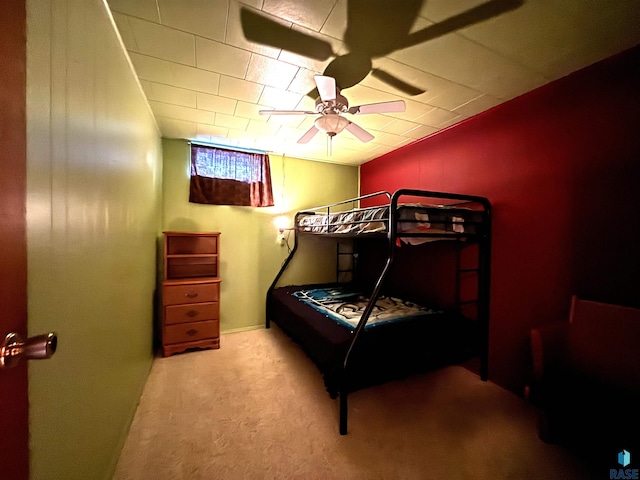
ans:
(93, 213)
(250, 253)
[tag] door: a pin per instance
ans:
(14, 429)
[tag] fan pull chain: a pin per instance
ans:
(329, 143)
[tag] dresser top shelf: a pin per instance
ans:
(190, 233)
(190, 255)
(192, 280)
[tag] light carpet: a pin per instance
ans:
(257, 409)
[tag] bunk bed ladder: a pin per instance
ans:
(460, 273)
(480, 301)
(484, 290)
(346, 259)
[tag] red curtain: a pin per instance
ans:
(228, 177)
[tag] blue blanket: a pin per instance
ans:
(346, 306)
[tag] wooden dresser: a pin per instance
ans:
(190, 291)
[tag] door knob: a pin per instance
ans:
(34, 348)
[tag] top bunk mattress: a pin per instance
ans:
(411, 218)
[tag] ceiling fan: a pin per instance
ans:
(330, 107)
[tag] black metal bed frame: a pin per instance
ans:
(481, 236)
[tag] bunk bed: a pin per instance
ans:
(376, 323)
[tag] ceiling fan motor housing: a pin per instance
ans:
(339, 105)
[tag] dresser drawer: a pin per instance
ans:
(189, 332)
(190, 293)
(191, 312)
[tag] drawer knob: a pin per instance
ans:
(192, 313)
(191, 295)
(191, 332)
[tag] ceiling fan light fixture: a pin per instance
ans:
(331, 123)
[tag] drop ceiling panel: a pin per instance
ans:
(204, 79)
(211, 131)
(216, 103)
(269, 71)
(240, 89)
(173, 128)
(146, 9)
(218, 57)
(168, 94)
(181, 113)
(163, 42)
(311, 15)
(206, 19)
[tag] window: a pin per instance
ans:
(228, 177)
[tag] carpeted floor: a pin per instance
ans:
(257, 409)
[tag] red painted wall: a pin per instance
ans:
(561, 167)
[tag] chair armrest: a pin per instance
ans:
(548, 347)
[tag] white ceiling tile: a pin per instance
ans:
(345, 140)
(373, 121)
(400, 127)
(181, 113)
(310, 14)
(211, 130)
(258, 128)
(163, 42)
(413, 110)
(153, 69)
(362, 95)
(270, 72)
(453, 97)
(313, 64)
(235, 35)
(216, 103)
(168, 94)
(229, 121)
(279, 99)
(122, 22)
(417, 78)
(194, 79)
(203, 18)
(303, 82)
(480, 104)
(389, 139)
(250, 111)
(420, 131)
(221, 58)
(146, 9)
(289, 134)
(438, 10)
(337, 20)
(240, 89)
(256, 4)
(437, 117)
(172, 128)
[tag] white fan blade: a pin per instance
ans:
(382, 107)
(326, 87)
(286, 112)
(309, 134)
(359, 132)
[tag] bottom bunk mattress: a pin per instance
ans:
(400, 338)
